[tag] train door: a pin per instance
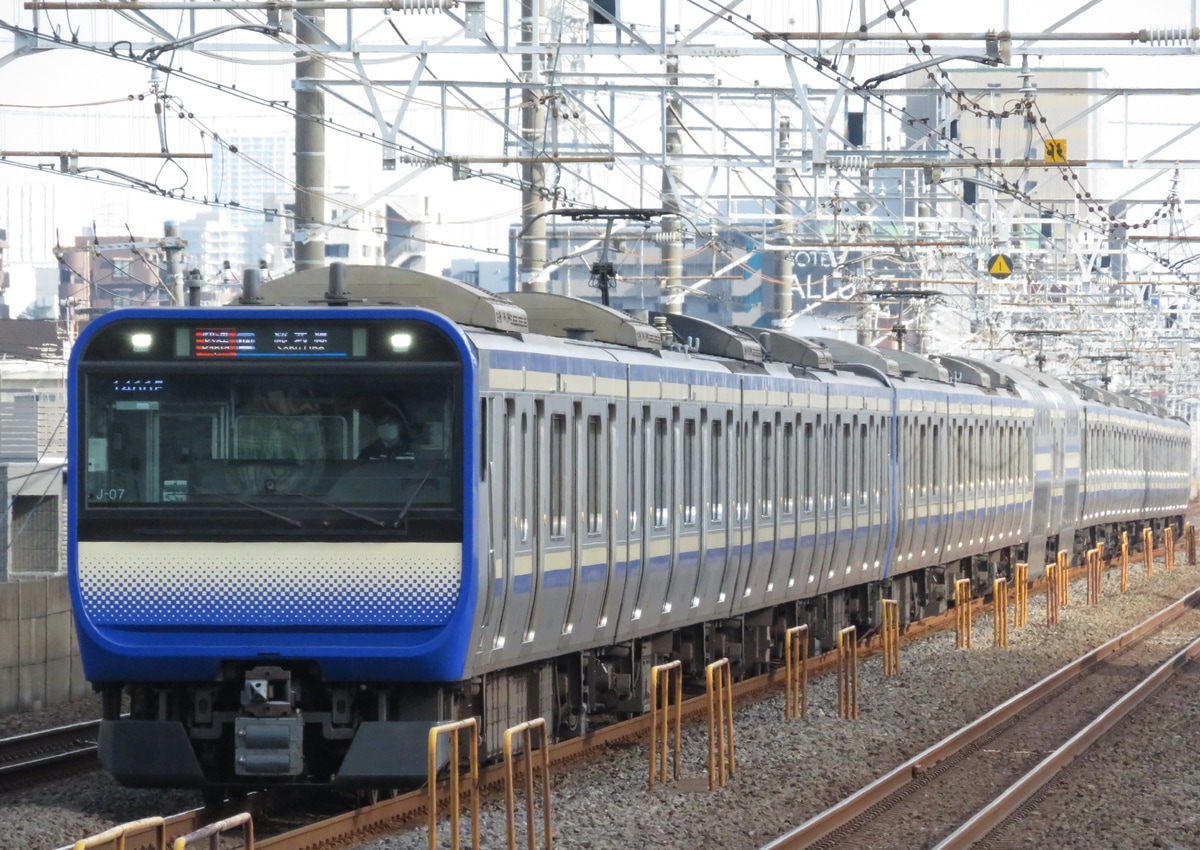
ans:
(936, 538)
(554, 485)
(636, 471)
(687, 545)
(716, 512)
(872, 485)
(740, 519)
(496, 471)
(517, 561)
(854, 437)
(808, 564)
(826, 502)
(784, 571)
(904, 496)
(759, 480)
(841, 506)
(590, 520)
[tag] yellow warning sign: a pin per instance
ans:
(1056, 150)
(1000, 265)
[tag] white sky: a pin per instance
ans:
(63, 100)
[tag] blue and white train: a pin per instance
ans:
(280, 590)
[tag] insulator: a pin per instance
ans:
(1164, 36)
(667, 237)
(422, 5)
(850, 163)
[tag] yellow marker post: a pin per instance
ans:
(891, 637)
(795, 651)
(719, 688)
(1064, 578)
(1052, 587)
(526, 730)
(847, 642)
(1169, 546)
(1000, 613)
(962, 616)
(210, 834)
(660, 715)
(1021, 602)
(1092, 560)
(1148, 550)
(452, 730)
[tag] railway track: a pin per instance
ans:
(958, 790)
(39, 756)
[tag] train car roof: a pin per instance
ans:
(344, 285)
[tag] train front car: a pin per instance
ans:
(267, 540)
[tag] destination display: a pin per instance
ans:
(274, 341)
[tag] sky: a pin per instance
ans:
(65, 99)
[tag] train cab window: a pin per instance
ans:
(716, 504)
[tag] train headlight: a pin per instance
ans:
(401, 341)
(141, 342)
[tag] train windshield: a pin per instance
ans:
(311, 451)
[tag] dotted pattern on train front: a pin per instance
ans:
(403, 584)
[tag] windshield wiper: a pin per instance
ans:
(345, 510)
(294, 523)
(416, 491)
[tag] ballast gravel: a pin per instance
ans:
(786, 771)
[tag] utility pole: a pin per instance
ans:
(533, 131)
(309, 238)
(779, 287)
(672, 227)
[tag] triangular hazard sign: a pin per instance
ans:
(1000, 265)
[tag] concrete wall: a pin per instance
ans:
(39, 656)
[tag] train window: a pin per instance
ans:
(787, 497)
(847, 465)
(936, 458)
(863, 455)
(634, 473)
(808, 470)
(662, 500)
(716, 505)
(766, 493)
(593, 469)
(923, 462)
(558, 475)
(689, 471)
(523, 472)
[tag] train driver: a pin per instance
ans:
(393, 439)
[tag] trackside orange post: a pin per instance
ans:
(1092, 561)
(1064, 578)
(526, 730)
(848, 673)
(452, 731)
(1148, 550)
(1000, 612)
(719, 687)
(795, 652)
(661, 713)
(116, 836)
(962, 618)
(1021, 602)
(1052, 586)
(891, 637)
(210, 835)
